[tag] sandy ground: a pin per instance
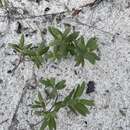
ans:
(109, 21)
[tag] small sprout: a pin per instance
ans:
(86, 51)
(50, 83)
(63, 42)
(34, 53)
(73, 101)
(63, 45)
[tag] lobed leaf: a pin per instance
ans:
(60, 85)
(87, 102)
(21, 44)
(92, 44)
(52, 123)
(56, 33)
(48, 82)
(79, 90)
(82, 109)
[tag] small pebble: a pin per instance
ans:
(107, 91)
(86, 122)
(47, 9)
(9, 71)
(91, 87)
(1, 81)
(19, 28)
(75, 72)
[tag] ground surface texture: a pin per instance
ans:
(109, 20)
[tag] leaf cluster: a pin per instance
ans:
(63, 45)
(85, 50)
(50, 84)
(49, 116)
(34, 53)
(71, 43)
(73, 101)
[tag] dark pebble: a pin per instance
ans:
(107, 91)
(86, 122)
(47, 9)
(75, 72)
(9, 71)
(26, 35)
(14, 51)
(1, 81)
(38, 1)
(19, 28)
(91, 87)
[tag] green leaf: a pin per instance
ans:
(56, 33)
(92, 44)
(52, 123)
(72, 108)
(48, 82)
(82, 109)
(79, 91)
(53, 93)
(37, 102)
(59, 105)
(36, 106)
(37, 60)
(21, 44)
(41, 100)
(73, 36)
(67, 99)
(87, 102)
(95, 56)
(42, 50)
(91, 58)
(71, 48)
(29, 52)
(66, 32)
(60, 85)
(81, 43)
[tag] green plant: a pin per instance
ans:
(51, 84)
(86, 51)
(63, 43)
(71, 43)
(73, 101)
(34, 53)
